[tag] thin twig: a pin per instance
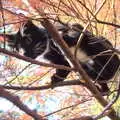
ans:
(107, 23)
(44, 87)
(71, 106)
(18, 74)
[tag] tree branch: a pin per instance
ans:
(44, 87)
(27, 59)
(16, 101)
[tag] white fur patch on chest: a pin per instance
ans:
(81, 55)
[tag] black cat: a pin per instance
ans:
(94, 53)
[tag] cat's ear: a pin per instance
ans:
(60, 26)
(29, 23)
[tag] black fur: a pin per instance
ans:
(37, 41)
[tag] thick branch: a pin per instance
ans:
(27, 59)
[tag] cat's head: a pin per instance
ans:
(30, 39)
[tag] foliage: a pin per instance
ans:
(67, 101)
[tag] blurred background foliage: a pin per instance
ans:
(71, 101)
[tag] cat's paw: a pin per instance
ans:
(56, 79)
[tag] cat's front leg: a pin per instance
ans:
(59, 59)
(60, 74)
